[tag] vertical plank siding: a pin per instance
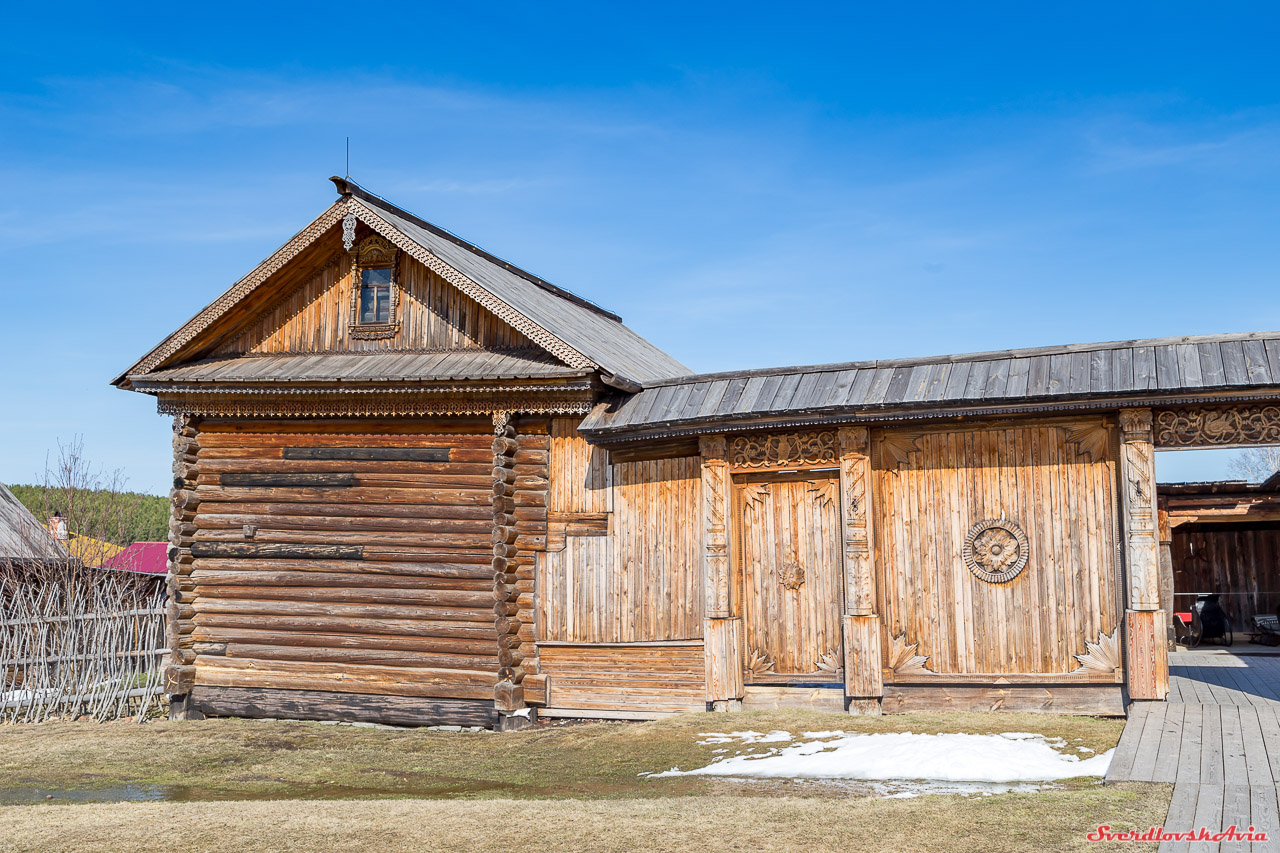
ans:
(315, 317)
(641, 582)
(1239, 561)
(580, 472)
(1056, 482)
(381, 584)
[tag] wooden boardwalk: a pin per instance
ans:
(1217, 740)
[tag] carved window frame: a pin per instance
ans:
(374, 253)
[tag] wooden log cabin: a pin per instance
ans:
(416, 484)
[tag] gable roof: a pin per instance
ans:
(22, 537)
(1074, 374)
(575, 331)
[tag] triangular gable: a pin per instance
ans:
(574, 331)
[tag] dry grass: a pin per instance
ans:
(241, 758)
(1047, 821)
(304, 786)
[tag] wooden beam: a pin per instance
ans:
(862, 659)
(1147, 650)
(723, 659)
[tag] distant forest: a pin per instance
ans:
(119, 517)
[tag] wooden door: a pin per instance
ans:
(789, 573)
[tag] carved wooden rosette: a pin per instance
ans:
(508, 694)
(777, 451)
(715, 528)
(1229, 426)
(179, 675)
(1138, 478)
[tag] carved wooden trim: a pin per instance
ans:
(374, 252)
(243, 287)
(758, 664)
(715, 526)
(830, 662)
(1138, 481)
(1091, 441)
(1218, 426)
(502, 310)
(783, 450)
(996, 550)
(855, 480)
(896, 448)
(360, 406)
(903, 659)
(1102, 656)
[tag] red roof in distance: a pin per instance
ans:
(146, 557)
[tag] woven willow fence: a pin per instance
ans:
(78, 642)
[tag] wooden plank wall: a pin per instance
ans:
(1242, 560)
(314, 317)
(1056, 481)
(652, 678)
(581, 477)
(641, 582)
(330, 556)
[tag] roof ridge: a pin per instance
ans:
(347, 186)
(989, 355)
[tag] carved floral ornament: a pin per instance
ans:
(784, 449)
(791, 576)
(1199, 427)
(996, 550)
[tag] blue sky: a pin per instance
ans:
(747, 184)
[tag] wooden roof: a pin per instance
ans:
(22, 536)
(1047, 377)
(373, 366)
(574, 331)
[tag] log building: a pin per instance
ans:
(416, 484)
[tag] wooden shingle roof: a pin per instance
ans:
(574, 331)
(1009, 379)
(22, 537)
(363, 367)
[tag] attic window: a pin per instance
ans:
(375, 291)
(375, 296)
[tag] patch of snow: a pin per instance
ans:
(743, 737)
(1014, 757)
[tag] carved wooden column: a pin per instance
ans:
(723, 629)
(508, 694)
(1165, 533)
(862, 660)
(1146, 632)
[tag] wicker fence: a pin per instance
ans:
(78, 642)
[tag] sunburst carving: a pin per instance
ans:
(1104, 655)
(903, 659)
(1091, 441)
(759, 663)
(830, 661)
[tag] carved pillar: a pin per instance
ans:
(508, 694)
(862, 664)
(723, 632)
(1147, 646)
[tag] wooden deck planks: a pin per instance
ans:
(1218, 740)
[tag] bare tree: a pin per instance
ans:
(1255, 464)
(74, 639)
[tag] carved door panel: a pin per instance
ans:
(789, 570)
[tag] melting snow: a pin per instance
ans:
(1008, 757)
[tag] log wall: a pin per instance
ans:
(1239, 561)
(349, 557)
(1057, 482)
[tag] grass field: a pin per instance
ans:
(270, 785)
